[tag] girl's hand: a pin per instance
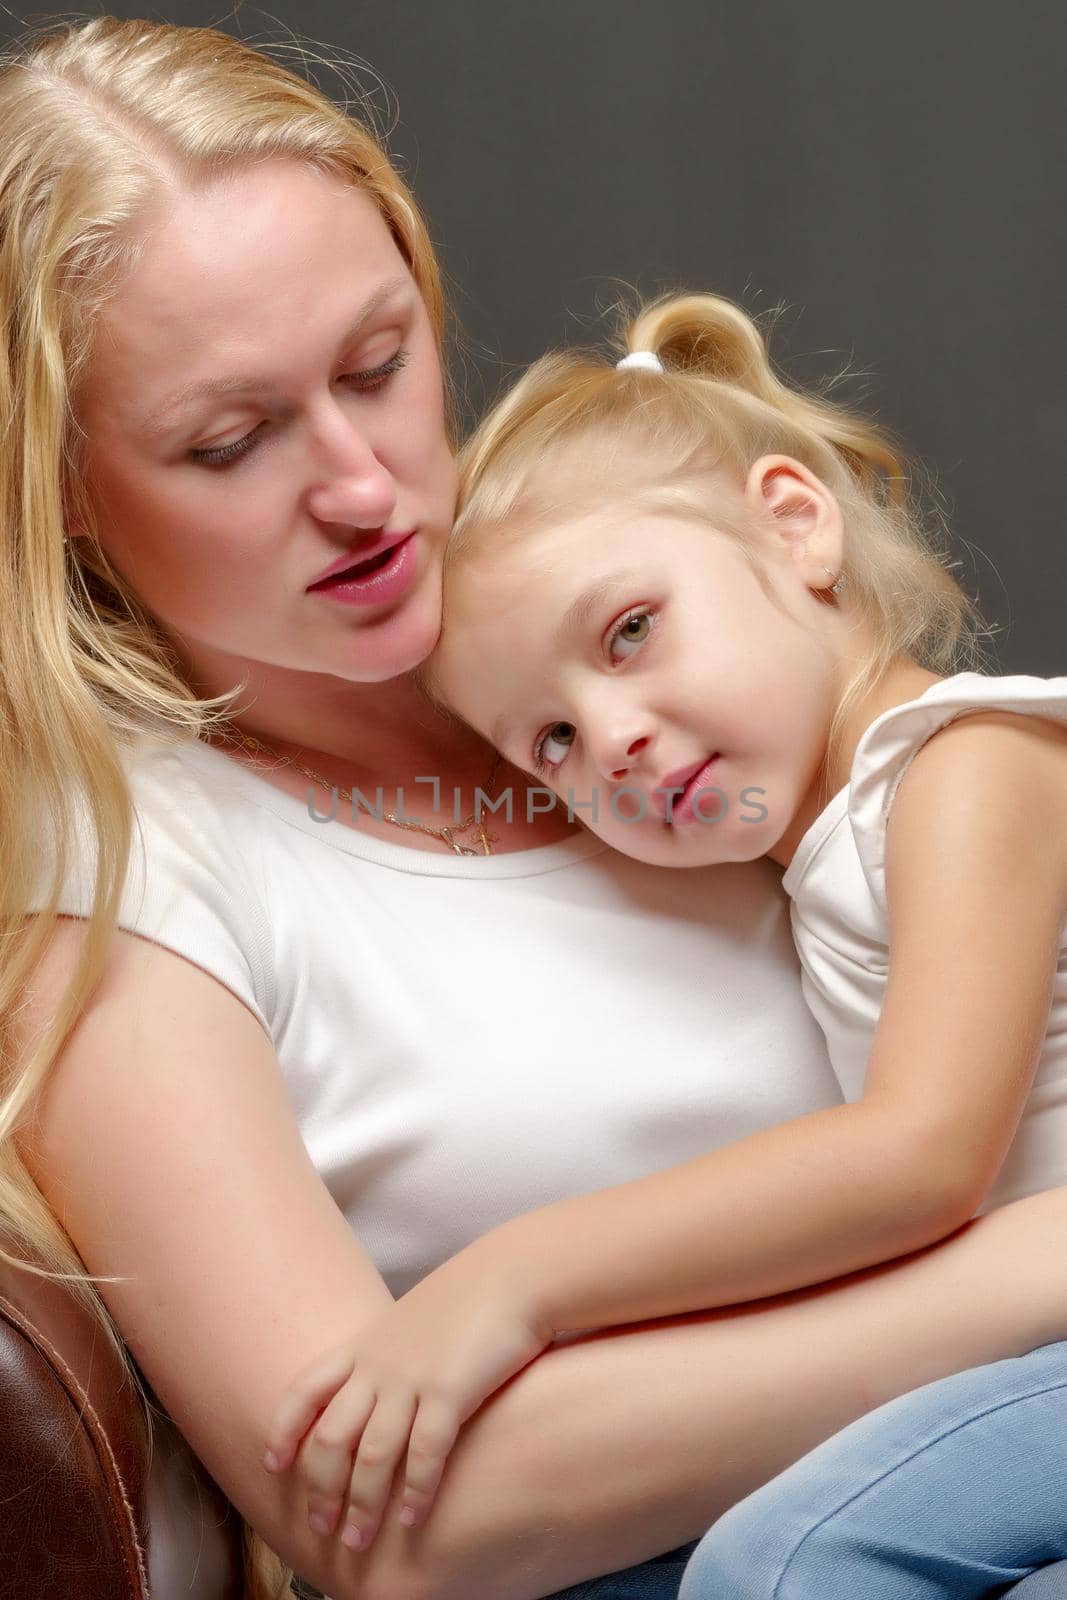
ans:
(410, 1378)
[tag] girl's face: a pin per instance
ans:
(631, 653)
(264, 399)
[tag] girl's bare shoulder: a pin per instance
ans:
(990, 782)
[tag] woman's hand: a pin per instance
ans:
(411, 1377)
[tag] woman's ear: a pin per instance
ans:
(804, 513)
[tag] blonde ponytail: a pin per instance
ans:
(706, 336)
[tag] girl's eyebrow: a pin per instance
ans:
(158, 419)
(591, 600)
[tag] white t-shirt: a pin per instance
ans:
(841, 922)
(467, 1038)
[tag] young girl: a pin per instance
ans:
(697, 604)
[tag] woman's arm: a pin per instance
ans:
(166, 1144)
(977, 888)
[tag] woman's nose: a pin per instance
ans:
(352, 485)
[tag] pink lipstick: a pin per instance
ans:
(373, 575)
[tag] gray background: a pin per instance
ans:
(890, 174)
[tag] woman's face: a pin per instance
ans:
(265, 399)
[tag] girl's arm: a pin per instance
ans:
(625, 1443)
(977, 890)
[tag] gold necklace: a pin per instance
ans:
(444, 834)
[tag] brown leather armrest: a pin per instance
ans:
(90, 1506)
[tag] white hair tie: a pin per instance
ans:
(646, 360)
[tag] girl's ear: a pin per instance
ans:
(805, 515)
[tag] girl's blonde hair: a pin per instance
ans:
(575, 430)
(100, 120)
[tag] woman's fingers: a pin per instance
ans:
(301, 1404)
(384, 1439)
(433, 1434)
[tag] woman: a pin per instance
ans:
(266, 1071)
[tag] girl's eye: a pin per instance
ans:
(631, 630)
(561, 734)
(369, 379)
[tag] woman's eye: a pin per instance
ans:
(561, 736)
(367, 379)
(374, 377)
(221, 454)
(632, 630)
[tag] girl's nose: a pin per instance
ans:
(617, 750)
(351, 486)
(631, 751)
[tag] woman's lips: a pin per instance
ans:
(368, 550)
(383, 584)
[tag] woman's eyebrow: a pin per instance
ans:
(159, 418)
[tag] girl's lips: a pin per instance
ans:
(677, 779)
(382, 585)
(682, 809)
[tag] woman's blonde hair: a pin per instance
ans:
(99, 120)
(575, 430)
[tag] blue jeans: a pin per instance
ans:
(958, 1490)
(657, 1579)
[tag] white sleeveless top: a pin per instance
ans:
(836, 882)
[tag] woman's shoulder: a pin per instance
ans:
(186, 808)
(193, 882)
(166, 771)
